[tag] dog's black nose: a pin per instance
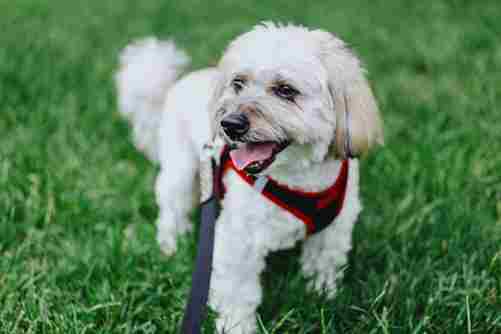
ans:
(235, 125)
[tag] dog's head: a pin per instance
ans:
(290, 89)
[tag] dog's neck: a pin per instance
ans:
(296, 168)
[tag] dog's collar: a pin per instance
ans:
(315, 209)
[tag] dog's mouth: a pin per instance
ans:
(255, 157)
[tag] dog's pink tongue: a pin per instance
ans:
(249, 153)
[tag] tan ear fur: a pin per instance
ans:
(358, 124)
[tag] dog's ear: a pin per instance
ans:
(358, 124)
(219, 85)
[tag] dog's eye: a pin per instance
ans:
(285, 91)
(238, 84)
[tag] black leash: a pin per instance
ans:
(197, 302)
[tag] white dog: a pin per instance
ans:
(292, 103)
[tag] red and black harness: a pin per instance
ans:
(315, 209)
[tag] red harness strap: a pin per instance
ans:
(315, 209)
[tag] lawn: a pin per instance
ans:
(77, 209)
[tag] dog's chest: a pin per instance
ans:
(245, 211)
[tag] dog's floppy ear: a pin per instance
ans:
(218, 84)
(358, 125)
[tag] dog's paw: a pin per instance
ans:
(168, 230)
(324, 282)
(167, 243)
(246, 325)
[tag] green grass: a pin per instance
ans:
(77, 209)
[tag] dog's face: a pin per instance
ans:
(286, 89)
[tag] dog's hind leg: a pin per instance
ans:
(325, 254)
(183, 131)
(177, 188)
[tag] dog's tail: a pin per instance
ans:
(148, 67)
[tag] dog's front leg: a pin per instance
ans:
(235, 286)
(324, 257)
(325, 254)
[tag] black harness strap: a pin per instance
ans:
(317, 212)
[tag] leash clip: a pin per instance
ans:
(209, 160)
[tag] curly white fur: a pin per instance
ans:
(331, 83)
(148, 67)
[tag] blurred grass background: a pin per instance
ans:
(77, 209)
